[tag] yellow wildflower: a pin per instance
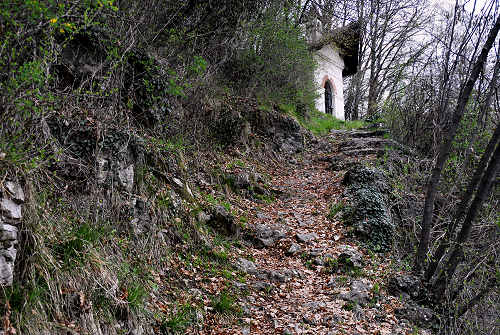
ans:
(61, 30)
(54, 20)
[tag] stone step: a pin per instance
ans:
(368, 133)
(360, 143)
(364, 152)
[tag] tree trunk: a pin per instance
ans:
(445, 148)
(492, 87)
(372, 95)
(372, 81)
(464, 204)
(354, 94)
(482, 194)
(483, 111)
(302, 13)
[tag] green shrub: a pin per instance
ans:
(349, 306)
(220, 256)
(74, 250)
(34, 32)
(21, 297)
(331, 265)
(136, 295)
(275, 64)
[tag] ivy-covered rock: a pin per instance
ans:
(367, 211)
(362, 175)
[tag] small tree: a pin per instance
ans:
(274, 63)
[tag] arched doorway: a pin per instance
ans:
(329, 98)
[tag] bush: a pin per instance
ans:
(177, 322)
(274, 63)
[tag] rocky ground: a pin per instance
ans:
(292, 239)
(307, 272)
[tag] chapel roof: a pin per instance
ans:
(347, 40)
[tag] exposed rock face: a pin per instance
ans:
(118, 158)
(285, 132)
(203, 217)
(223, 221)
(141, 223)
(242, 180)
(305, 238)
(264, 235)
(246, 266)
(294, 248)
(10, 209)
(8, 252)
(15, 191)
(232, 126)
(118, 162)
(11, 200)
(422, 316)
(126, 177)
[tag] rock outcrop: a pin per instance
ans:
(11, 200)
(368, 211)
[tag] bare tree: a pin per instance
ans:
(483, 191)
(463, 205)
(389, 45)
(445, 148)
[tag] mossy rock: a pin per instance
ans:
(359, 175)
(367, 211)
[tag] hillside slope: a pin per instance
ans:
(256, 238)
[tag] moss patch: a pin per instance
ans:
(368, 212)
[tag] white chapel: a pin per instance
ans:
(337, 55)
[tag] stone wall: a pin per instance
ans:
(11, 200)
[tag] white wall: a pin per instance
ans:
(330, 64)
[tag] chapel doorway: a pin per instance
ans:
(329, 104)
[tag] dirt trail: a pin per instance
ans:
(299, 291)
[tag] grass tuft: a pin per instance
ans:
(320, 124)
(224, 303)
(180, 320)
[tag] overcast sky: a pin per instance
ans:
(469, 4)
